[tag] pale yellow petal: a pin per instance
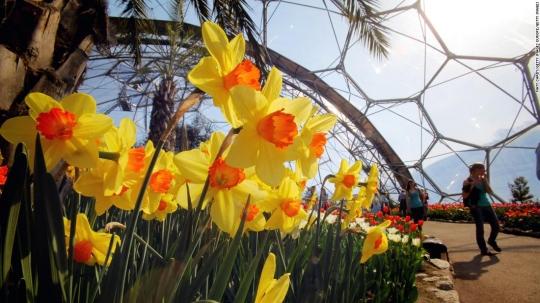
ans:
(215, 142)
(79, 104)
(54, 150)
(193, 165)
(92, 126)
(278, 290)
(127, 132)
(217, 43)
(244, 150)
(20, 129)
(82, 153)
(300, 108)
(249, 103)
(248, 187)
(238, 47)
(206, 76)
(322, 123)
(267, 276)
(274, 84)
(224, 211)
(269, 167)
(89, 184)
(40, 103)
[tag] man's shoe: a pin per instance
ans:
(486, 253)
(495, 246)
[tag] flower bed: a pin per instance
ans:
(216, 223)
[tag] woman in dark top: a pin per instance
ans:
(414, 201)
(477, 187)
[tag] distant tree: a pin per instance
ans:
(520, 190)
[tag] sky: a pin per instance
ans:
(462, 104)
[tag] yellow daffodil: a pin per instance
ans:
(354, 206)
(346, 180)
(271, 124)
(309, 146)
(120, 140)
(271, 290)
(165, 179)
(376, 242)
(90, 247)
(217, 74)
(286, 207)
(92, 184)
(255, 220)
(68, 129)
(229, 187)
(372, 182)
(167, 205)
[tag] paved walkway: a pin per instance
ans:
(510, 276)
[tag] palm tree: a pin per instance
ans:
(44, 45)
(181, 54)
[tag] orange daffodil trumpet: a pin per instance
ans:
(229, 186)
(309, 145)
(376, 241)
(346, 180)
(68, 129)
(271, 124)
(271, 290)
(165, 180)
(224, 69)
(90, 247)
(286, 207)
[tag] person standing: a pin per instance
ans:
(414, 202)
(425, 198)
(476, 187)
(385, 203)
(402, 198)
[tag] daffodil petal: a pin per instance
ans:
(322, 123)
(244, 150)
(278, 290)
(20, 129)
(224, 212)
(269, 167)
(79, 104)
(217, 43)
(274, 84)
(82, 153)
(92, 126)
(266, 277)
(249, 103)
(54, 150)
(193, 165)
(206, 76)
(40, 103)
(238, 47)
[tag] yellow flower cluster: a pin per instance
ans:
(273, 131)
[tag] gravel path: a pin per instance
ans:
(510, 276)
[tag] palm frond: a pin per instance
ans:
(362, 15)
(135, 10)
(201, 8)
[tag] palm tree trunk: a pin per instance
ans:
(44, 48)
(162, 113)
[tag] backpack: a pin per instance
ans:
(474, 195)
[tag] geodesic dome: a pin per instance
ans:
(458, 87)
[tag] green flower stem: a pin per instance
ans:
(113, 156)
